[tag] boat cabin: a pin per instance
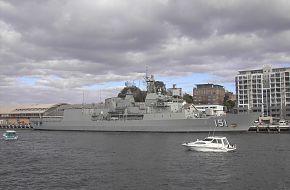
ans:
(10, 135)
(217, 140)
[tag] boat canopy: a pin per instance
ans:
(208, 139)
(11, 131)
(218, 140)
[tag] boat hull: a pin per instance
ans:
(208, 148)
(81, 122)
(9, 138)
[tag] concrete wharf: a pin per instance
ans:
(269, 128)
(18, 126)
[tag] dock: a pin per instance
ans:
(17, 126)
(269, 128)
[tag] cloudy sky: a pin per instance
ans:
(54, 51)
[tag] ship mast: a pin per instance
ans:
(150, 82)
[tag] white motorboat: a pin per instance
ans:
(283, 124)
(10, 135)
(210, 144)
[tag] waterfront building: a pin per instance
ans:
(208, 94)
(175, 92)
(21, 114)
(265, 90)
(230, 96)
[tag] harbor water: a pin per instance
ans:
(111, 160)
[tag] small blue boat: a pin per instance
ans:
(10, 135)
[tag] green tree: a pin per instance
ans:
(229, 104)
(187, 98)
(139, 95)
(160, 86)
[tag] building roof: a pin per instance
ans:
(260, 71)
(25, 108)
(209, 85)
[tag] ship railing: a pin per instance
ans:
(52, 119)
(122, 117)
(47, 118)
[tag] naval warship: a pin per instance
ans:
(158, 113)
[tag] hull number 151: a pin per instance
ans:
(220, 123)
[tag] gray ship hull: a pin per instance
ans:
(81, 122)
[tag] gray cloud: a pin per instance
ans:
(68, 45)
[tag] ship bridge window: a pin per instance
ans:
(219, 141)
(207, 139)
(214, 141)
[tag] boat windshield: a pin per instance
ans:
(207, 139)
(217, 141)
(226, 142)
(10, 133)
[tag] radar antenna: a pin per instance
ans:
(150, 82)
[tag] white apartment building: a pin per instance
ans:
(266, 90)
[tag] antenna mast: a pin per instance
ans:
(150, 82)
